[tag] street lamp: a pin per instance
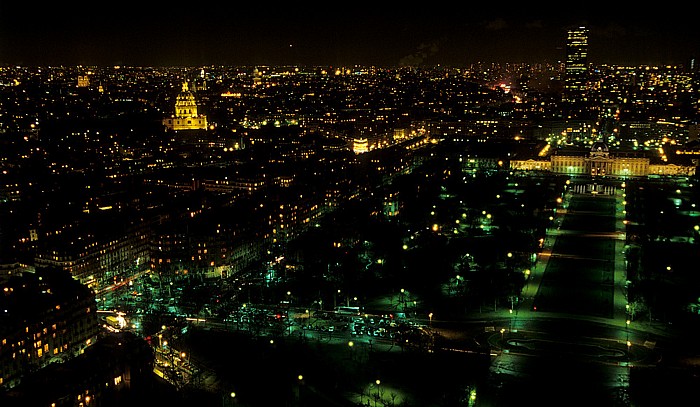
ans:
(629, 345)
(430, 318)
(511, 319)
(378, 382)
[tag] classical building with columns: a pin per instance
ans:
(599, 161)
(186, 115)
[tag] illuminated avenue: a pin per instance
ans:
(283, 235)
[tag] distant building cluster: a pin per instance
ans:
(254, 149)
(565, 149)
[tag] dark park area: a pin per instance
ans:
(580, 273)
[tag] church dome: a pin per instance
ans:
(186, 116)
(599, 146)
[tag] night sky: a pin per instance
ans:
(131, 33)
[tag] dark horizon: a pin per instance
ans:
(225, 35)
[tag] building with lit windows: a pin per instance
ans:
(98, 254)
(216, 244)
(291, 219)
(48, 317)
(117, 368)
(576, 74)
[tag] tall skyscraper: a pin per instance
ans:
(576, 75)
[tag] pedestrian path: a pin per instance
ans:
(620, 315)
(532, 287)
(616, 238)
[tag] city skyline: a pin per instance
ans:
(159, 35)
(263, 232)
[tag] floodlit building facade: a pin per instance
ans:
(599, 161)
(187, 116)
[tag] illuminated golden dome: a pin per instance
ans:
(186, 114)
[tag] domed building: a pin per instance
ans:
(599, 161)
(186, 115)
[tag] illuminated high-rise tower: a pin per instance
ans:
(576, 75)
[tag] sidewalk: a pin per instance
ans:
(532, 286)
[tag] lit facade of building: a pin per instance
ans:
(117, 364)
(186, 115)
(212, 246)
(601, 162)
(392, 205)
(95, 261)
(289, 221)
(360, 145)
(237, 184)
(83, 81)
(531, 165)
